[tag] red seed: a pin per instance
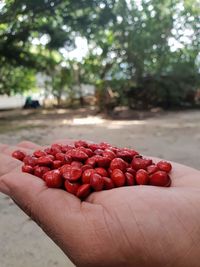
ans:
(86, 167)
(131, 171)
(39, 153)
(109, 154)
(20, 155)
(86, 175)
(93, 147)
(68, 159)
(108, 183)
(72, 188)
(53, 179)
(98, 151)
(29, 160)
(101, 171)
(125, 155)
(27, 168)
(77, 154)
(60, 156)
(76, 164)
(152, 168)
(57, 164)
(96, 182)
(118, 177)
(66, 148)
(160, 178)
(80, 143)
(102, 162)
(139, 163)
(91, 161)
(129, 178)
(73, 174)
(164, 166)
(45, 161)
(118, 163)
(142, 177)
(65, 168)
(40, 171)
(83, 191)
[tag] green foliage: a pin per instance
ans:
(147, 51)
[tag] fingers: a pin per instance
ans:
(28, 145)
(7, 164)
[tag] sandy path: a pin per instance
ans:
(173, 135)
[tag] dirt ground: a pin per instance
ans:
(170, 135)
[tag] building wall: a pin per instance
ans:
(7, 102)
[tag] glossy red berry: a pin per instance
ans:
(53, 179)
(101, 171)
(129, 179)
(28, 169)
(39, 153)
(40, 171)
(164, 166)
(83, 191)
(142, 177)
(72, 188)
(18, 154)
(152, 168)
(96, 182)
(118, 177)
(118, 163)
(160, 178)
(108, 183)
(86, 175)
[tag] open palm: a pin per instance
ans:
(128, 226)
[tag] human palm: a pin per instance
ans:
(128, 226)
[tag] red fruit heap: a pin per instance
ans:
(86, 167)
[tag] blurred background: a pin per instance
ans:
(122, 71)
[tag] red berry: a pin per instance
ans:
(77, 154)
(164, 166)
(118, 163)
(142, 177)
(118, 177)
(83, 191)
(40, 171)
(65, 168)
(57, 164)
(98, 151)
(80, 143)
(76, 164)
(129, 178)
(160, 178)
(39, 153)
(53, 179)
(109, 154)
(86, 175)
(108, 183)
(60, 156)
(103, 162)
(29, 160)
(45, 161)
(66, 148)
(73, 174)
(86, 167)
(152, 168)
(101, 171)
(18, 155)
(72, 188)
(125, 155)
(139, 163)
(27, 168)
(131, 171)
(96, 182)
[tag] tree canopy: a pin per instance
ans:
(146, 50)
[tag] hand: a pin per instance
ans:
(129, 226)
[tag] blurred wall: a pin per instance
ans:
(7, 102)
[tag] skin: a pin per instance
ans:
(129, 226)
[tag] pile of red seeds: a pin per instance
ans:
(86, 167)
